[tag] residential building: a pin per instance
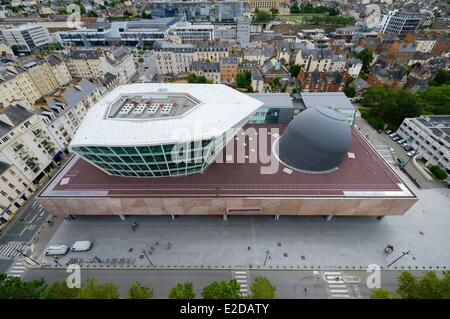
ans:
(211, 51)
(354, 67)
(425, 42)
(228, 70)
(15, 189)
(120, 63)
(331, 81)
(400, 22)
(429, 135)
(26, 142)
(210, 70)
(65, 113)
(16, 85)
(323, 60)
(84, 64)
(173, 58)
(27, 38)
(41, 74)
(59, 69)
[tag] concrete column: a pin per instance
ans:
(123, 217)
(329, 217)
(225, 217)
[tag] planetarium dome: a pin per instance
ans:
(316, 141)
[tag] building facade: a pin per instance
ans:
(400, 22)
(27, 38)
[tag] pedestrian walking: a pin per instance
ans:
(306, 290)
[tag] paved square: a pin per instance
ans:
(292, 242)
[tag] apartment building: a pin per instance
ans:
(211, 51)
(210, 70)
(16, 85)
(26, 142)
(266, 5)
(83, 64)
(42, 76)
(15, 188)
(429, 135)
(173, 58)
(120, 63)
(65, 113)
(323, 60)
(354, 67)
(59, 69)
(27, 38)
(228, 70)
(425, 42)
(243, 26)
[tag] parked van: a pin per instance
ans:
(55, 250)
(82, 245)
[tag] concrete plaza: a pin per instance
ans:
(288, 243)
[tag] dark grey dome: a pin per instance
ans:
(315, 141)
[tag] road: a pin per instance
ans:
(288, 284)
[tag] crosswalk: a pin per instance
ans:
(336, 284)
(242, 279)
(11, 249)
(17, 270)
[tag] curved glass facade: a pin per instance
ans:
(151, 161)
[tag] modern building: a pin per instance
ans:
(243, 26)
(132, 160)
(277, 108)
(27, 38)
(429, 135)
(400, 22)
(189, 32)
(335, 100)
(192, 117)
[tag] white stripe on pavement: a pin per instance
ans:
(340, 296)
(338, 290)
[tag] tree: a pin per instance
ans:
(222, 290)
(138, 291)
(350, 91)
(274, 12)
(182, 291)
(429, 286)
(59, 290)
(92, 290)
(438, 172)
(294, 8)
(295, 69)
(366, 56)
(262, 288)
(442, 77)
(380, 294)
(435, 99)
(244, 79)
(15, 288)
(261, 16)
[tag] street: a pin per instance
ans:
(288, 284)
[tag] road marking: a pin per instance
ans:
(10, 249)
(338, 290)
(242, 280)
(17, 270)
(336, 284)
(340, 296)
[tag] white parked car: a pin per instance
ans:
(412, 153)
(54, 250)
(401, 141)
(82, 245)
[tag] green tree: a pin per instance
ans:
(182, 291)
(244, 79)
(261, 16)
(191, 78)
(262, 288)
(295, 69)
(380, 294)
(438, 172)
(93, 290)
(442, 77)
(222, 290)
(15, 288)
(274, 12)
(59, 290)
(366, 56)
(138, 291)
(436, 99)
(350, 91)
